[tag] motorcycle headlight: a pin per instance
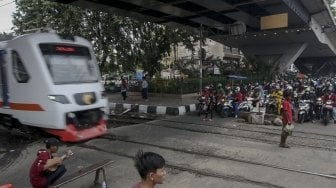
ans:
(59, 98)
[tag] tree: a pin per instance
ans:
(119, 42)
(332, 7)
(6, 36)
(257, 67)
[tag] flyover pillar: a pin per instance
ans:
(279, 56)
(289, 56)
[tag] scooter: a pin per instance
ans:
(303, 113)
(327, 112)
(228, 109)
(220, 100)
(246, 106)
(201, 106)
(318, 108)
(270, 104)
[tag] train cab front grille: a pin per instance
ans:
(84, 119)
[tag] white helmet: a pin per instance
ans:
(237, 89)
(307, 89)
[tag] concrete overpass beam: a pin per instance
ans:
(296, 7)
(281, 56)
(324, 37)
(291, 54)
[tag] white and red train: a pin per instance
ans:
(52, 81)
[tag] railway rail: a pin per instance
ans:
(200, 153)
(184, 167)
(272, 136)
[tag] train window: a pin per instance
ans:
(19, 70)
(68, 64)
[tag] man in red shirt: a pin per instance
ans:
(41, 175)
(286, 118)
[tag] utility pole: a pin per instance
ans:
(200, 59)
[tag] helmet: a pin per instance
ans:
(207, 87)
(307, 89)
(237, 89)
(219, 85)
(277, 87)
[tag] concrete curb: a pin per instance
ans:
(159, 110)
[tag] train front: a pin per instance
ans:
(76, 93)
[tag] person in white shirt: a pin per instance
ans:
(144, 86)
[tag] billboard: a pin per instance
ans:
(274, 21)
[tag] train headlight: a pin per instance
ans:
(59, 98)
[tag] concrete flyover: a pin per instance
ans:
(281, 32)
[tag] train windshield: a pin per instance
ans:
(70, 64)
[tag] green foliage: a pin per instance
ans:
(120, 43)
(182, 86)
(188, 67)
(332, 8)
(257, 69)
(6, 36)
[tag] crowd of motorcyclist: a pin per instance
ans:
(313, 99)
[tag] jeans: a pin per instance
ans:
(235, 106)
(124, 95)
(52, 177)
(144, 93)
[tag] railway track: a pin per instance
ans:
(181, 167)
(265, 135)
(204, 154)
(270, 138)
(263, 129)
(128, 120)
(223, 157)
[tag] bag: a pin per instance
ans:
(289, 128)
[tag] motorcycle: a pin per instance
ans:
(303, 113)
(201, 106)
(327, 112)
(220, 100)
(246, 106)
(228, 109)
(296, 98)
(270, 104)
(318, 108)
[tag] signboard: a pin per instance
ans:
(274, 21)
(139, 74)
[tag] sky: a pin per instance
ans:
(7, 8)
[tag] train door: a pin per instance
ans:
(3, 84)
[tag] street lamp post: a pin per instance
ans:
(200, 59)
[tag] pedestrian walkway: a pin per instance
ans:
(161, 104)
